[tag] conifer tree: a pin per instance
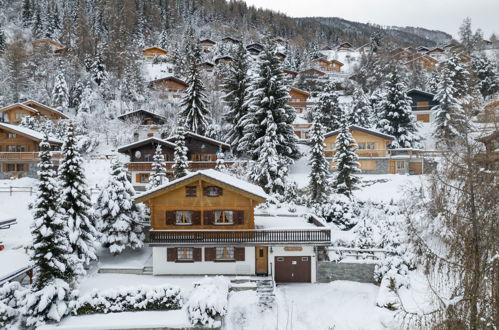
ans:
(319, 174)
(236, 86)
(395, 117)
(346, 160)
(459, 75)
(120, 219)
(269, 92)
(180, 160)
(75, 201)
(60, 92)
(50, 250)
(38, 27)
(361, 113)
(3, 42)
(98, 68)
(220, 166)
(328, 107)
(486, 76)
(364, 235)
(27, 13)
(195, 114)
(158, 176)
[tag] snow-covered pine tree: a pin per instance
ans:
(364, 235)
(395, 117)
(328, 107)
(220, 166)
(98, 68)
(319, 173)
(270, 169)
(50, 251)
(346, 160)
(195, 114)
(236, 86)
(449, 116)
(269, 92)
(158, 176)
(119, 218)
(75, 95)
(180, 161)
(75, 202)
(361, 113)
(3, 42)
(485, 72)
(459, 75)
(433, 81)
(27, 13)
(60, 92)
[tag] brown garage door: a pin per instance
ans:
(292, 269)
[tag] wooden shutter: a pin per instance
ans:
(196, 218)
(209, 217)
(239, 253)
(196, 254)
(210, 254)
(170, 217)
(137, 177)
(238, 217)
(171, 254)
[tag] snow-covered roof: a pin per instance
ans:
(46, 107)
(283, 222)
(215, 175)
(172, 78)
(6, 221)
(13, 262)
(24, 106)
(418, 91)
(362, 129)
(202, 137)
(29, 132)
(141, 111)
(146, 141)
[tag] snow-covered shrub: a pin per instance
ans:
(387, 295)
(11, 296)
(166, 297)
(208, 301)
(340, 210)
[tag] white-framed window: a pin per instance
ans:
(20, 116)
(224, 217)
(12, 136)
(225, 253)
(184, 253)
(213, 191)
(400, 165)
(183, 217)
(366, 145)
(11, 148)
(144, 177)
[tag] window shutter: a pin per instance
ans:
(220, 190)
(137, 177)
(209, 217)
(239, 253)
(196, 254)
(196, 218)
(170, 217)
(238, 217)
(210, 254)
(171, 254)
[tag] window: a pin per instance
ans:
(400, 165)
(144, 177)
(5, 117)
(20, 116)
(11, 136)
(224, 217)
(20, 148)
(11, 167)
(225, 253)
(20, 167)
(148, 158)
(213, 191)
(11, 148)
(366, 145)
(190, 191)
(184, 254)
(183, 217)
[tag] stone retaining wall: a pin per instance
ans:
(328, 271)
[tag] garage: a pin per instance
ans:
(292, 269)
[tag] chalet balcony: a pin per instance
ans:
(26, 156)
(364, 153)
(421, 107)
(193, 165)
(254, 237)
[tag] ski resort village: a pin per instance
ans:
(195, 164)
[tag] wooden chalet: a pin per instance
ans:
(437, 53)
(51, 45)
(312, 73)
(422, 104)
(489, 158)
(19, 147)
(255, 45)
(374, 155)
(490, 113)
(152, 52)
(424, 62)
(298, 99)
(207, 66)
(224, 60)
(231, 41)
(253, 51)
(322, 64)
(290, 73)
(280, 40)
(169, 87)
(205, 223)
(14, 113)
(143, 117)
(202, 148)
(402, 54)
(364, 49)
(281, 56)
(207, 43)
(344, 47)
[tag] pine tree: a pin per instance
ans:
(3, 42)
(236, 86)
(328, 107)
(27, 13)
(364, 235)
(98, 68)
(49, 251)
(38, 27)
(319, 174)
(75, 201)
(195, 114)
(220, 166)
(395, 117)
(485, 71)
(181, 163)
(459, 75)
(60, 92)
(158, 176)
(269, 92)
(449, 119)
(120, 219)
(346, 160)
(361, 113)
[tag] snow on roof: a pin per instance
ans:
(28, 102)
(363, 129)
(139, 112)
(202, 137)
(217, 176)
(146, 141)
(172, 78)
(24, 106)
(282, 222)
(12, 261)
(418, 91)
(26, 131)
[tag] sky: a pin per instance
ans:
(444, 15)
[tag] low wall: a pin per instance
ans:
(328, 271)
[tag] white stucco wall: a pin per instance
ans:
(279, 251)
(163, 267)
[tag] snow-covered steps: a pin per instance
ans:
(265, 292)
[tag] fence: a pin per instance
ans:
(31, 190)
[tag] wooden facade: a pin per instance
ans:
(202, 148)
(298, 99)
(13, 114)
(51, 45)
(312, 73)
(169, 87)
(151, 52)
(369, 142)
(422, 104)
(143, 117)
(328, 66)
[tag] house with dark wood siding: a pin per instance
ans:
(422, 104)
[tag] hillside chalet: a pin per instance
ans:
(312, 73)
(327, 66)
(14, 113)
(207, 45)
(374, 155)
(424, 62)
(19, 147)
(205, 223)
(170, 87)
(51, 45)
(145, 123)
(150, 53)
(422, 104)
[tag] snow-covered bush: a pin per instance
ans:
(208, 301)
(387, 295)
(11, 295)
(166, 297)
(340, 210)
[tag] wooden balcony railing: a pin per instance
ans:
(26, 156)
(194, 165)
(235, 237)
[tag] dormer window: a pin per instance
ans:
(213, 191)
(190, 191)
